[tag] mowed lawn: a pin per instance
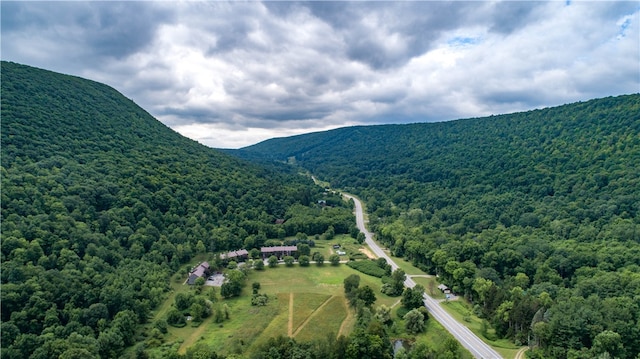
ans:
(303, 301)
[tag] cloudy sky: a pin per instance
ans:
(230, 74)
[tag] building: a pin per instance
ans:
(201, 271)
(240, 254)
(278, 251)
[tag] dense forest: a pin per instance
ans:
(101, 204)
(532, 216)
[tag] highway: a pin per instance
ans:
(470, 341)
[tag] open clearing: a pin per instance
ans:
(304, 302)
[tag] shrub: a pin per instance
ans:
(259, 299)
(367, 267)
(288, 261)
(273, 261)
(304, 260)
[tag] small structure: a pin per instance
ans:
(278, 251)
(235, 255)
(280, 221)
(444, 289)
(200, 271)
(341, 253)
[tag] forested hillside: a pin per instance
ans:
(532, 216)
(101, 203)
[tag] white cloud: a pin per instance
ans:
(230, 74)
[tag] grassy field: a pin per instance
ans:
(303, 301)
(430, 285)
(462, 312)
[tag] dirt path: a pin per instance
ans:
(367, 252)
(193, 337)
(396, 303)
(520, 353)
(290, 325)
(346, 321)
(313, 314)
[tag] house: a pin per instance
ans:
(444, 289)
(235, 255)
(278, 251)
(200, 271)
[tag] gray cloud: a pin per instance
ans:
(233, 73)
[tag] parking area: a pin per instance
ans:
(215, 280)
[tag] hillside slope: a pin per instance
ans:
(101, 203)
(533, 216)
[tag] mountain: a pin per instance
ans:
(102, 203)
(534, 216)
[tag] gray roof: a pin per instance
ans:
(278, 249)
(234, 254)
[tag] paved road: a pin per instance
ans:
(470, 341)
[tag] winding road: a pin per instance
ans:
(470, 341)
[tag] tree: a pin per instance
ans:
(303, 260)
(318, 258)
(183, 300)
(412, 298)
(200, 351)
(396, 284)
(288, 261)
(197, 312)
(383, 314)
(414, 321)
(232, 287)
(200, 281)
(258, 264)
(366, 295)
(351, 283)
(255, 286)
(304, 249)
(608, 342)
(273, 261)
(175, 318)
(360, 238)
(200, 248)
(334, 259)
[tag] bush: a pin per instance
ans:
(367, 267)
(259, 299)
(414, 321)
(258, 264)
(175, 318)
(288, 261)
(304, 260)
(273, 261)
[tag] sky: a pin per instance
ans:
(231, 74)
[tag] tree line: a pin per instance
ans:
(101, 204)
(532, 216)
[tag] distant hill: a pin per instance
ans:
(102, 203)
(529, 215)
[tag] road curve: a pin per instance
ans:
(470, 341)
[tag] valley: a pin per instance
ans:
(532, 219)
